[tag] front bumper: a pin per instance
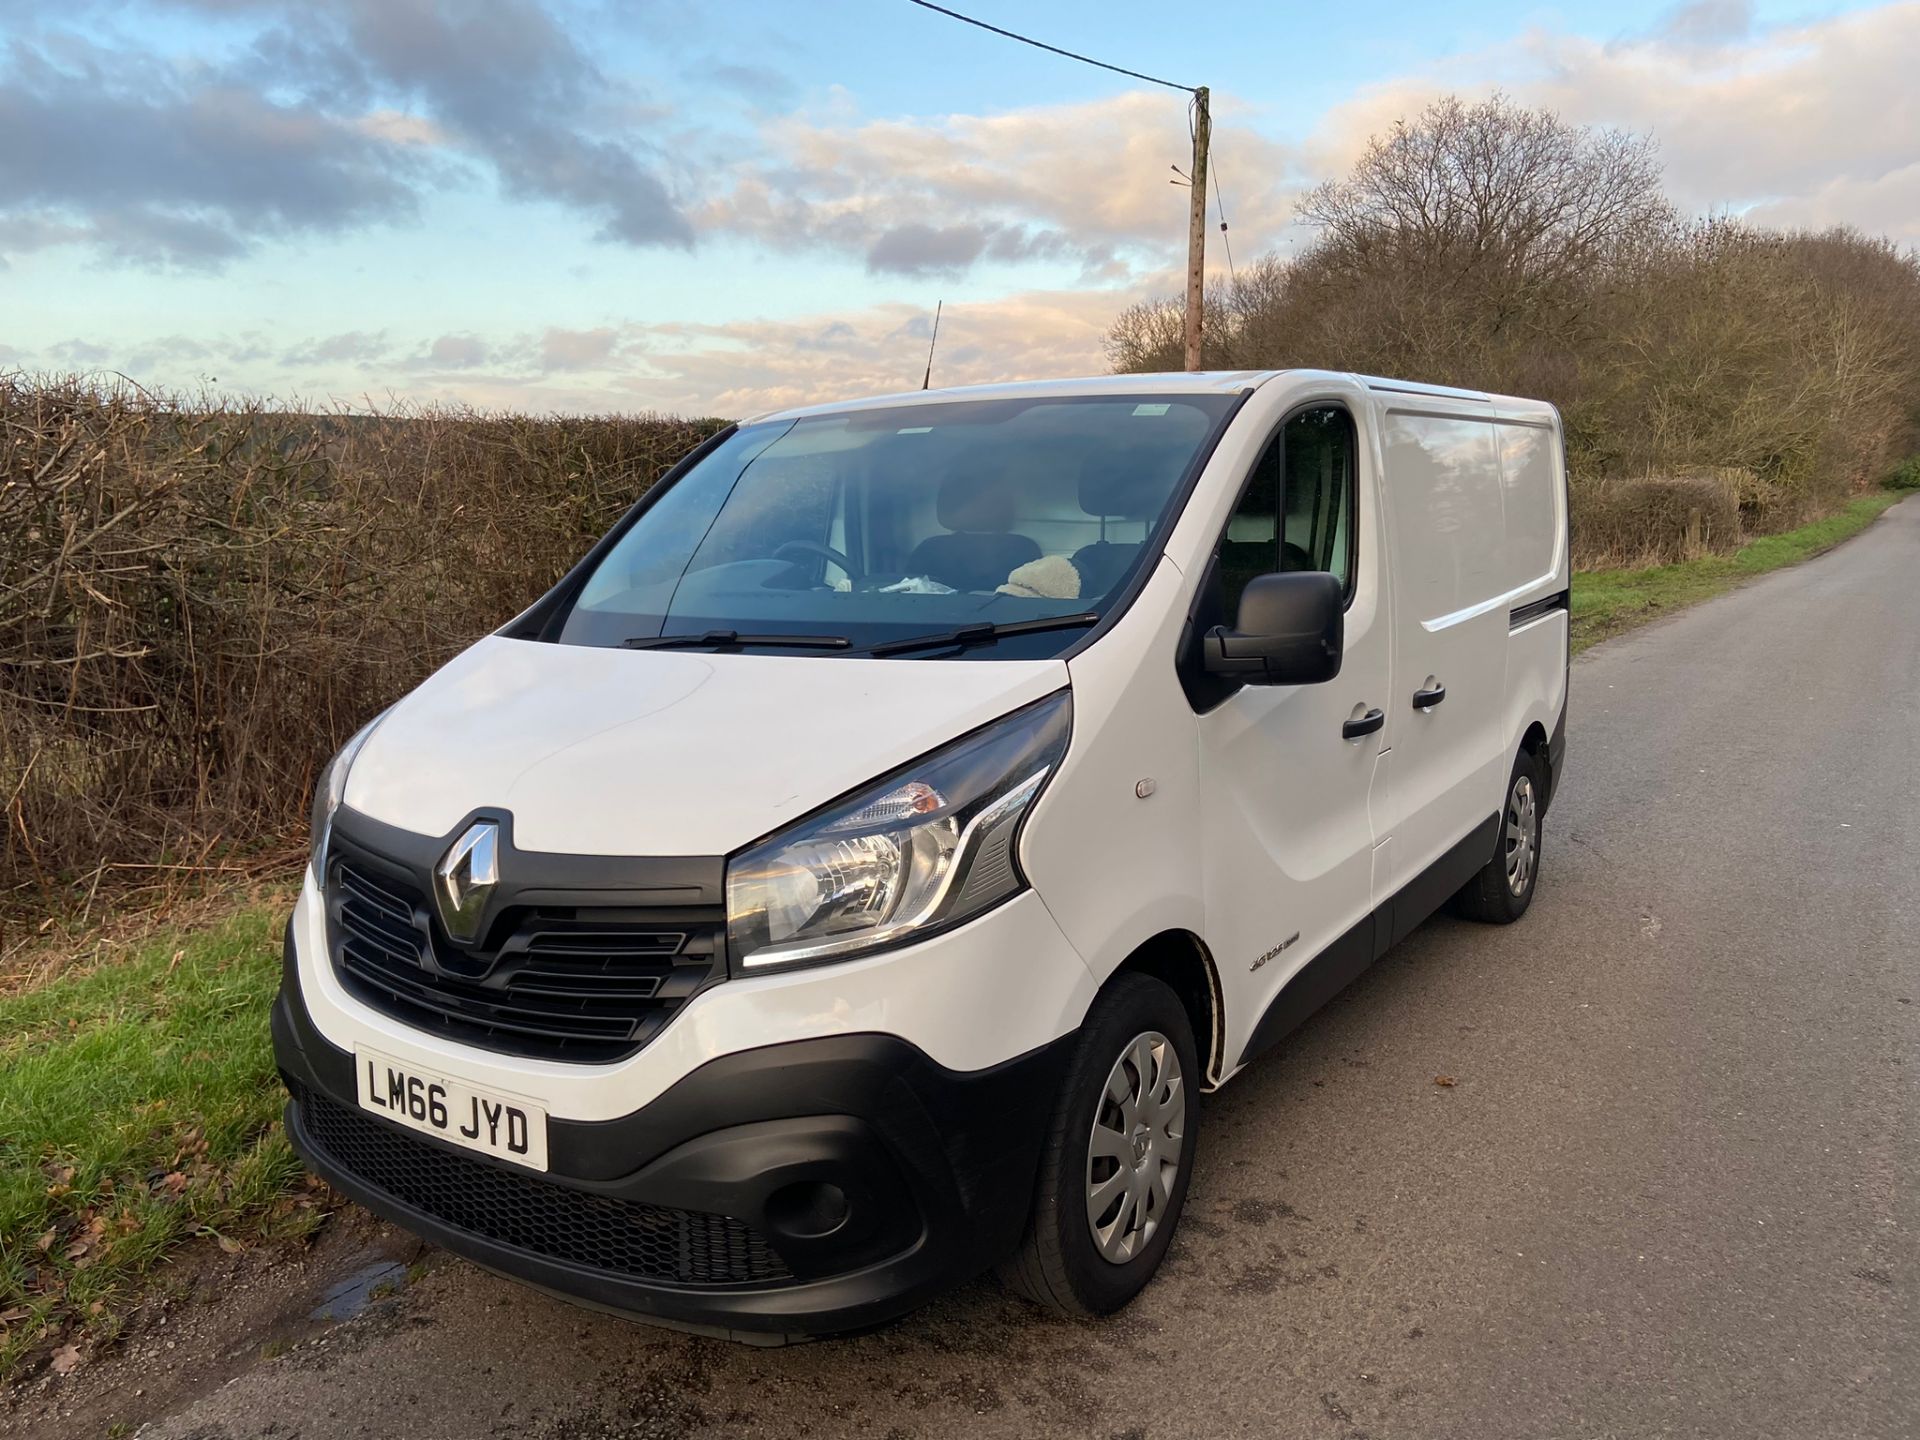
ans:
(841, 1181)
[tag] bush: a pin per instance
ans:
(1905, 475)
(1655, 520)
(199, 602)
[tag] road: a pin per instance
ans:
(1669, 1191)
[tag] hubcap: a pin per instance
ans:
(1523, 835)
(1135, 1149)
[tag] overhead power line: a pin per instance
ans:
(1200, 124)
(1055, 49)
(1220, 209)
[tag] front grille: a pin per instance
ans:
(619, 1237)
(586, 984)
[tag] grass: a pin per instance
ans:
(1606, 602)
(138, 1106)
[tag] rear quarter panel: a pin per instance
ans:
(1534, 487)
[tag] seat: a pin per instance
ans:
(1120, 486)
(1241, 561)
(978, 552)
(1102, 563)
(1244, 560)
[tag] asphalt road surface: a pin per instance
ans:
(1670, 1190)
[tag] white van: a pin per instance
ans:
(851, 875)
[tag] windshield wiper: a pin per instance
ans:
(733, 639)
(980, 634)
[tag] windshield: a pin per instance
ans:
(887, 525)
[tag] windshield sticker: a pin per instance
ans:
(1151, 409)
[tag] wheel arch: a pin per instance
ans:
(1180, 960)
(1536, 744)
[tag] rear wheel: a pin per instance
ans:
(1501, 892)
(1113, 1176)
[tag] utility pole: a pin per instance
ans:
(1197, 225)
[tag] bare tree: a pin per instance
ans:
(1149, 336)
(1515, 208)
(1718, 380)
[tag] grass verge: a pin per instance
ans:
(1606, 602)
(138, 1107)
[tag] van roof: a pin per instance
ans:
(1163, 382)
(1176, 382)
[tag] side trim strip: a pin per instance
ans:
(1474, 611)
(1335, 967)
(1534, 609)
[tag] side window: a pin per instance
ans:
(1317, 525)
(1297, 510)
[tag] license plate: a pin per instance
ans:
(482, 1120)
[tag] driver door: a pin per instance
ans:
(1292, 775)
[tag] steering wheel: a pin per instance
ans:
(814, 547)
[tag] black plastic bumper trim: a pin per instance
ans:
(938, 1165)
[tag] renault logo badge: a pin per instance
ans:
(465, 878)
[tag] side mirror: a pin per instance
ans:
(1290, 631)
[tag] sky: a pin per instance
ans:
(723, 208)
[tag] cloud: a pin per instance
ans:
(456, 352)
(503, 79)
(33, 230)
(1706, 22)
(733, 368)
(357, 347)
(335, 119)
(1084, 184)
(400, 128)
(80, 352)
(1887, 203)
(1785, 121)
(915, 249)
(752, 366)
(1803, 124)
(577, 349)
(148, 168)
(173, 353)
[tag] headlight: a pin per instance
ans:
(918, 850)
(327, 794)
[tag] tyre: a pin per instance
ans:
(1118, 1155)
(1501, 892)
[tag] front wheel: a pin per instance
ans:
(1118, 1156)
(1501, 893)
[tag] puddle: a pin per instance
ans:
(355, 1293)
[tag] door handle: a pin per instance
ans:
(1427, 699)
(1365, 725)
